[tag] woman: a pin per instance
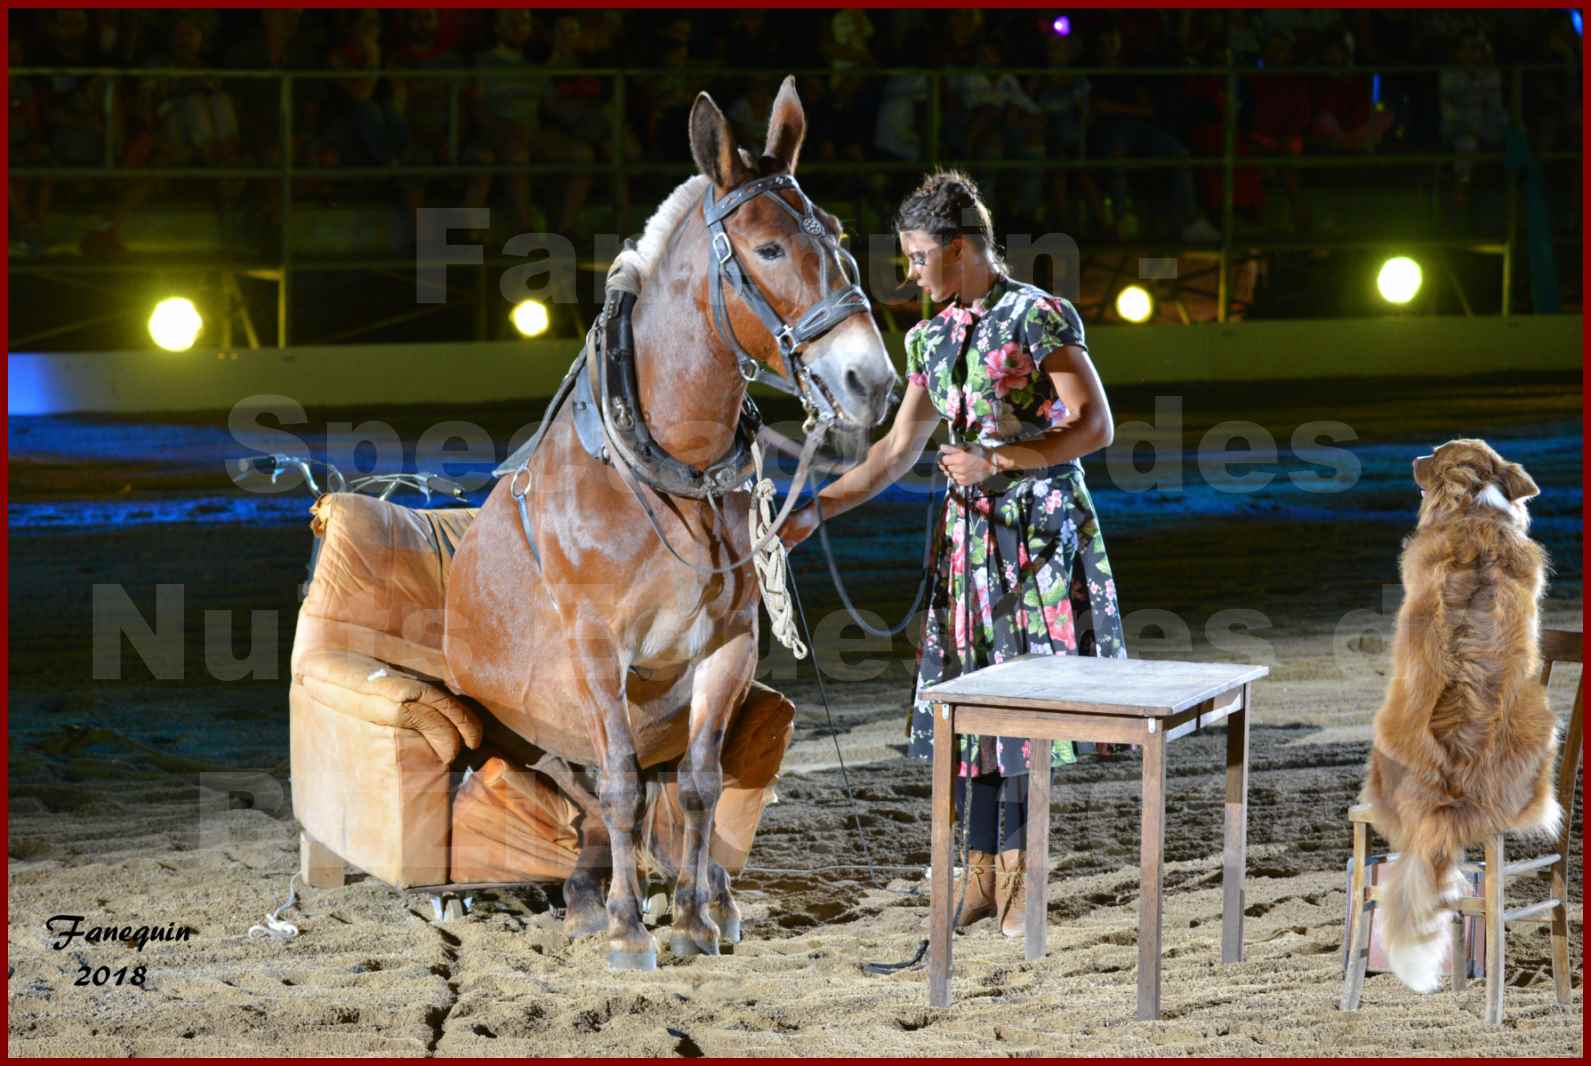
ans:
(1021, 565)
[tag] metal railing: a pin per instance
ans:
(619, 169)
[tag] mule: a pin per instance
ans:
(585, 633)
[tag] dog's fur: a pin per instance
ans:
(1464, 742)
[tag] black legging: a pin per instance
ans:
(986, 812)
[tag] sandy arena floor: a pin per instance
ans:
(113, 831)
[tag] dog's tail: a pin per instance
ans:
(1417, 903)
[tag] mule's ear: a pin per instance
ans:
(787, 126)
(713, 144)
(1517, 484)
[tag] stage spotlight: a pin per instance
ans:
(1062, 25)
(1135, 305)
(175, 324)
(1399, 280)
(531, 318)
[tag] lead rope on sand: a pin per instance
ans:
(274, 927)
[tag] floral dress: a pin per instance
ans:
(1020, 565)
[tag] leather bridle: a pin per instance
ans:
(834, 308)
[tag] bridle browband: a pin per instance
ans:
(834, 308)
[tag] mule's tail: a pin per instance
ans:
(1417, 904)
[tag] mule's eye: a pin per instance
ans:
(770, 252)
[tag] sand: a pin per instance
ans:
(136, 835)
(371, 972)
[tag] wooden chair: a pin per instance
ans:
(1557, 646)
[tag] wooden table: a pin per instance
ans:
(1146, 702)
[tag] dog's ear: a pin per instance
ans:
(1517, 484)
(1422, 472)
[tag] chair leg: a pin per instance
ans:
(1494, 930)
(1460, 961)
(1356, 893)
(1359, 959)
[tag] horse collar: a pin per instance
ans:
(613, 345)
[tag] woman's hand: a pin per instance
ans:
(965, 466)
(799, 526)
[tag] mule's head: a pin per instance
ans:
(793, 269)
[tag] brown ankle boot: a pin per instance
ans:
(980, 899)
(1010, 892)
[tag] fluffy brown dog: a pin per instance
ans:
(1464, 742)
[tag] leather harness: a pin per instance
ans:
(607, 415)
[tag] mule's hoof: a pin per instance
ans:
(682, 945)
(632, 960)
(577, 927)
(728, 928)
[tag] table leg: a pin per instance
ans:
(1038, 850)
(1151, 850)
(1234, 855)
(940, 887)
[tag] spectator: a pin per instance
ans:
(1472, 106)
(280, 44)
(1282, 115)
(198, 119)
(580, 106)
(847, 106)
(1345, 120)
(1123, 126)
(901, 117)
(30, 197)
(665, 111)
(277, 45)
(426, 104)
(175, 121)
(367, 127)
(509, 112)
(73, 106)
(1064, 99)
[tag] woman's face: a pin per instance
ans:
(935, 267)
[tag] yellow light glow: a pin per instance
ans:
(175, 324)
(1399, 280)
(531, 318)
(1135, 304)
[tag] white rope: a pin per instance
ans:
(274, 927)
(772, 562)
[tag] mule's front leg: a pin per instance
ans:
(719, 686)
(623, 800)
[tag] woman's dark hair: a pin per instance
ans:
(948, 205)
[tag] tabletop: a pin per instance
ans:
(1145, 688)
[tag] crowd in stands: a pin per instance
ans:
(858, 113)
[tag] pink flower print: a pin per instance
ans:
(1022, 554)
(919, 379)
(963, 768)
(1058, 621)
(1053, 500)
(1055, 412)
(1010, 368)
(961, 319)
(1110, 588)
(1010, 573)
